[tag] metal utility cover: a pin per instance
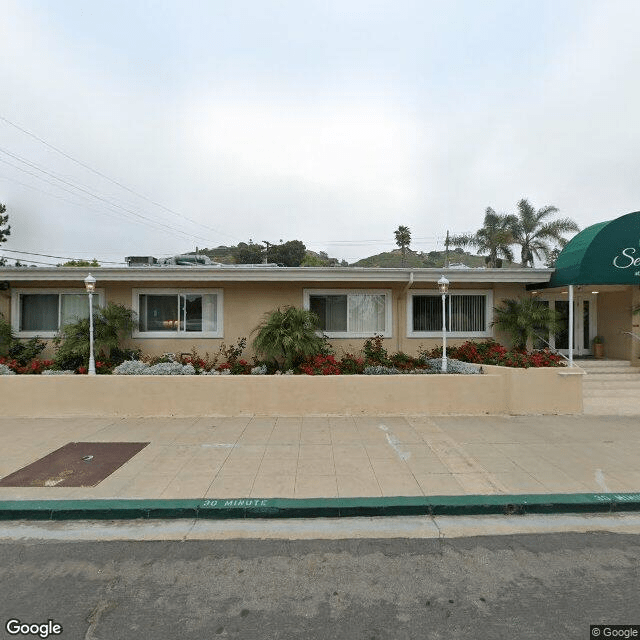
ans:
(77, 464)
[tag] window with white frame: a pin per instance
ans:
(346, 313)
(468, 314)
(171, 313)
(44, 312)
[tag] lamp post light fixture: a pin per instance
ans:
(90, 284)
(443, 286)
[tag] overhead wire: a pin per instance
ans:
(46, 255)
(116, 182)
(98, 197)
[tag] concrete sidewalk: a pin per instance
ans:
(314, 457)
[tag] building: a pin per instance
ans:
(202, 306)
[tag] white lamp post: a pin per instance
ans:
(443, 286)
(90, 284)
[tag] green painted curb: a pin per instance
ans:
(317, 507)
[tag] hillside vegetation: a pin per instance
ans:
(418, 260)
(388, 259)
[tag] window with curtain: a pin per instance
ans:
(351, 313)
(47, 313)
(177, 313)
(465, 314)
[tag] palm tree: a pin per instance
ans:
(403, 240)
(535, 235)
(288, 335)
(495, 237)
(524, 319)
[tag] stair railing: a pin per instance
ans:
(556, 352)
(630, 333)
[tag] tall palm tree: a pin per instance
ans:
(403, 240)
(495, 237)
(537, 236)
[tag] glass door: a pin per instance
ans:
(584, 322)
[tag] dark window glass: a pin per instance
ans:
(39, 312)
(427, 313)
(158, 312)
(331, 310)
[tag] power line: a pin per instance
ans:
(98, 197)
(119, 184)
(117, 214)
(53, 195)
(46, 255)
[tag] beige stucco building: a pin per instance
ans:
(595, 288)
(181, 307)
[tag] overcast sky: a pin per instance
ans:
(327, 121)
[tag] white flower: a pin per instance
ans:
(131, 368)
(54, 372)
(260, 370)
(5, 371)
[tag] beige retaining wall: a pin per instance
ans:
(498, 391)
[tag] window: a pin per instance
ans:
(468, 314)
(166, 313)
(44, 312)
(351, 314)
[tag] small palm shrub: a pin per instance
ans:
(111, 325)
(287, 336)
(523, 319)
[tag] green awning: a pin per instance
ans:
(604, 253)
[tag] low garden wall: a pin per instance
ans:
(499, 390)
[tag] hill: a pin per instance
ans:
(419, 260)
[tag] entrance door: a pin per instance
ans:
(584, 322)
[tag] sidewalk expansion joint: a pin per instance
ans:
(218, 509)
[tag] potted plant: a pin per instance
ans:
(598, 347)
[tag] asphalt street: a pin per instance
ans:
(550, 586)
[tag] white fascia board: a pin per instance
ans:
(271, 274)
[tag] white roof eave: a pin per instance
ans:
(270, 274)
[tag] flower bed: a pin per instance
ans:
(492, 352)
(374, 360)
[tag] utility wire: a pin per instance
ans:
(99, 197)
(106, 177)
(46, 255)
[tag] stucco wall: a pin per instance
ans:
(614, 317)
(501, 391)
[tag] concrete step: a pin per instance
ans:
(610, 377)
(612, 371)
(611, 394)
(611, 388)
(602, 364)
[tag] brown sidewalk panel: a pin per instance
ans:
(77, 464)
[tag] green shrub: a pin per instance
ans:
(351, 365)
(375, 353)
(523, 319)
(23, 352)
(287, 336)
(111, 324)
(6, 336)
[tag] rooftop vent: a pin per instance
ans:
(140, 261)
